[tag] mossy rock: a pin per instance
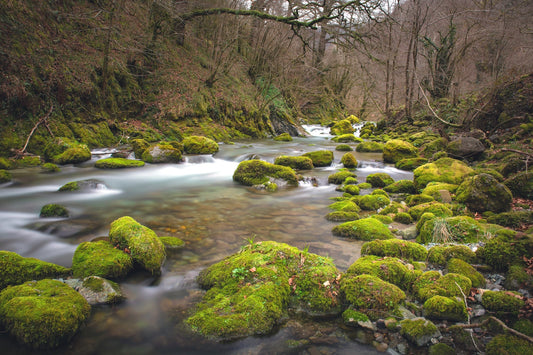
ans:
(441, 349)
(521, 185)
(502, 302)
(440, 254)
(343, 148)
(284, 137)
(199, 145)
(382, 218)
(410, 163)
(351, 189)
(517, 278)
(426, 216)
(397, 248)
(460, 229)
(508, 345)
(50, 168)
(512, 219)
(320, 158)
(393, 208)
(483, 192)
(250, 292)
(145, 247)
(53, 210)
(435, 146)
(445, 308)
(403, 218)
(258, 172)
(437, 208)
(297, 163)
(396, 150)
(17, 269)
(373, 202)
(389, 269)
(418, 331)
(100, 258)
(340, 176)
(341, 127)
(97, 290)
(433, 189)
(524, 326)
(353, 119)
(345, 206)
(370, 293)
(414, 200)
(351, 317)
(66, 151)
(349, 161)
(82, 185)
(364, 186)
(379, 179)
(369, 147)
(139, 146)
(503, 251)
(161, 153)
(342, 216)
(172, 243)
(117, 163)
(42, 314)
(346, 138)
(446, 170)
(461, 267)
(401, 186)
(431, 283)
(363, 229)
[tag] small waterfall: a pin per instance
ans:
(317, 130)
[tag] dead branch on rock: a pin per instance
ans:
(44, 121)
(504, 326)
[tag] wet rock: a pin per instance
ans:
(84, 185)
(162, 153)
(97, 290)
(419, 331)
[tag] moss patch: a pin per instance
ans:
(379, 179)
(431, 283)
(396, 248)
(509, 345)
(439, 307)
(118, 163)
(258, 172)
(401, 186)
(483, 192)
(199, 145)
(284, 137)
(297, 163)
(100, 259)
(460, 229)
(161, 153)
(370, 147)
(440, 254)
(459, 266)
(363, 229)
(446, 170)
(340, 176)
(349, 161)
(396, 150)
(418, 330)
(373, 202)
(53, 210)
(320, 158)
(389, 269)
(410, 163)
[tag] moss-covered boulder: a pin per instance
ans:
(369, 147)
(410, 163)
(508, 344)
(521, 185)
(371, 295)
(403, 218)
(379, 179)
(53, 210)
(17, 269)
(502, 302)
(431, 283)
(42, 314)
(363, 229)
(437, 208)
(373, 202)
(320, 158)
(100, 258)
(351, 189)
(396, 150)
(66, 151)
(172, 243)
(440, 254)
(144, 246)
(343, 148)
(284, 137)
(259, 172)
(340, 176)
(445, 308)
(461, 267)
(460, 229)
(443, 170)
(297, 163)
(345, 205)
(389, 269)
(342, 216)
(413, 200)
(97, 290)
(434, 189)
(341, 127)
(5, 176)
(483, 192)
(118, 163)
(435, 146)
(251, 291)
(419, 331)
(518, 278)
(401, 186)
(83, 185)
(139, 146)
(349, 161)
(346, 138)
(161, 153)
(199, 145)
(512, 219)
(397, 248)
(504, 250)
(465, 147)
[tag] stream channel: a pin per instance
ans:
(198, 202)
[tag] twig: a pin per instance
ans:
(433, 111)
(41, 120)
(516, 151)
(510, 330)
(468, 315)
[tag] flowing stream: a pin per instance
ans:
(198, 202)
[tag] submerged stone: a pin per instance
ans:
(83, 185)
(53, 210)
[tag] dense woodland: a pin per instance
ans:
(102, 70)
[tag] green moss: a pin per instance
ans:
(257, 172)
(145, 247)
(379, 179)
(172, 243)
(433, 147)
(397, 248)
(343, 148)
(389, 269)
(351, 316)
(363, 229)
(345, 138)
(401, 186)
(367, 292)
(508, 345)
(461, 267)
(95, 284)
(403, 217)
(502, 302)
(139, 146)
(414, 200)
(17, 269)
(521, 185)
(66, 151)
(364, 185)
(284, 137)
(320, 158)
(410, 163)
(340, 176)
(199, 145)
(345, 206)
(100, 258)
(118, 163)
(371, 147)
(5, 164)
(351, 189)
(382, 218)
(441, 349)
(373, 202)
(50, 168)
(517, 278)
(524, 326)
(437, 208)
(297, 163)
(161, 153)
(513, 219)
(439, 307)
(460, 229)
(349, 161)
(341, 127)
(440, 254)
(418, 330)
(42, 314)
(396, 150)
(483, 192)
(431, 283)
(503, 251)
(53, 210)
(380, 192)
(70, 186)
(433, 189)
(446, 170)
(342, 216)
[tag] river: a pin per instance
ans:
(198, 202)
